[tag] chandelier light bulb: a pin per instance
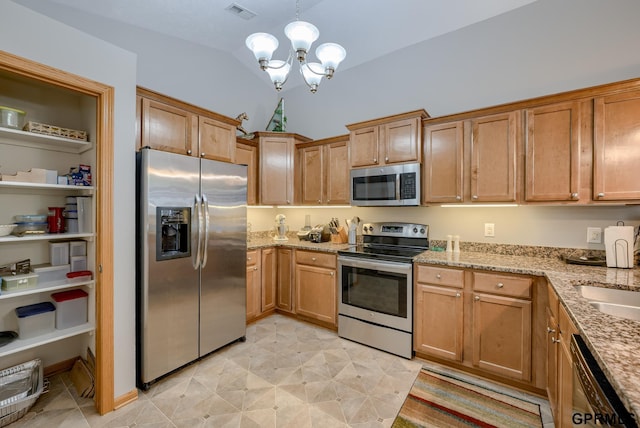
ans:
(278, 72)
(312, 72)
(330, 55)
(302, 35)
(262, 45)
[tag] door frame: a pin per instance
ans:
(104, 397)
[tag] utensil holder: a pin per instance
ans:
(340, 237)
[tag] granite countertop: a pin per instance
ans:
(614, 342)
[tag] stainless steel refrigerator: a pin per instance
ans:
(191, 273)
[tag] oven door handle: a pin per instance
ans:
(378, 266)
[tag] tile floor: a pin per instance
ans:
(287, 374)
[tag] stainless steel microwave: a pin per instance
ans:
(394, 185)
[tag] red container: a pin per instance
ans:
(56, 220)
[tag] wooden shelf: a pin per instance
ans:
(41, 141)
(45, 237)
(43, 288)
(19, 345)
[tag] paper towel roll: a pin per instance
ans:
(618, 243)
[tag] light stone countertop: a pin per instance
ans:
(614, 342)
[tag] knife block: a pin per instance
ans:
(340, 237)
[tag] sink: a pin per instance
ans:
(623, 311)
(612, 301)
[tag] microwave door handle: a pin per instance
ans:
(205, 209)
(195, 220)
(398, 179)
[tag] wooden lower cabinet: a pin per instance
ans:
(438, 325)
(315, 286)
(253, 284)
(261, 282)
(285, 285)
(269, 278)
(487, 323)
(502, 335)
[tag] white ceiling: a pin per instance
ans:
(366, 28)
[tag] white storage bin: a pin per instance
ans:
(77, 248)
(59, 253)
(71, 308)
(78, 263)
(49, 273)
(35, 320)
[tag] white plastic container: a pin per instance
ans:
(71, 308)
(19, 282)
(77, 248)
(78, 263)
(59, 253)
(49, 273)
(11, 117)
(35, 320)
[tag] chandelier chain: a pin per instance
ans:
(297, 10)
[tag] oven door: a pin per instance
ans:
(378, 292)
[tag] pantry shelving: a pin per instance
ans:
(42, 141)
(44, 288)
(20, 345)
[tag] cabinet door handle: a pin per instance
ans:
(551, 330)
(457, 294)
(458, 198)
(318, 200)
(189, 151)
(477, 298)
(554, 340)
(202, 154)
(375, 160)
(386, 159)
(333, 273)
(500, 285)
(248, 258)
(255, 268)
(438, 276)
(601, 195)
(474, 197)
(574, 196)
(288, 201)
(313, 259)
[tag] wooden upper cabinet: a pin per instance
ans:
(247, 154)
(312, 170)
(390, 140)
(616, 176)
(443, 171)
(168, 128)
(217, 140)
(277, 151)
(552, 161)
(175, 126)
(494, 141)
(337, 189)
(324, 171)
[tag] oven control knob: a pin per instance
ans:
(422, 231)
(415, 230)
(371, 314)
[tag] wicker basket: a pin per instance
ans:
(20, 387)
(56, 131)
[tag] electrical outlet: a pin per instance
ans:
(489, 229)
(594, 235)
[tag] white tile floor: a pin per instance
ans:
(287, 374)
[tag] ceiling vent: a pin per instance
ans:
(240, 11)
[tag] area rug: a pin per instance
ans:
(442, 400)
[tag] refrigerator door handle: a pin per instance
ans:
(205, 243)
(197, 221)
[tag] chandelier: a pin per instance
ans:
(302, 35)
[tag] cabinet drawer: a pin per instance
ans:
(502, 284)
(252, 257)
(313, 258)
(440, 276)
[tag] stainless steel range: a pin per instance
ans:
(375, 303)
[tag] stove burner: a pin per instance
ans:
(399, 242)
